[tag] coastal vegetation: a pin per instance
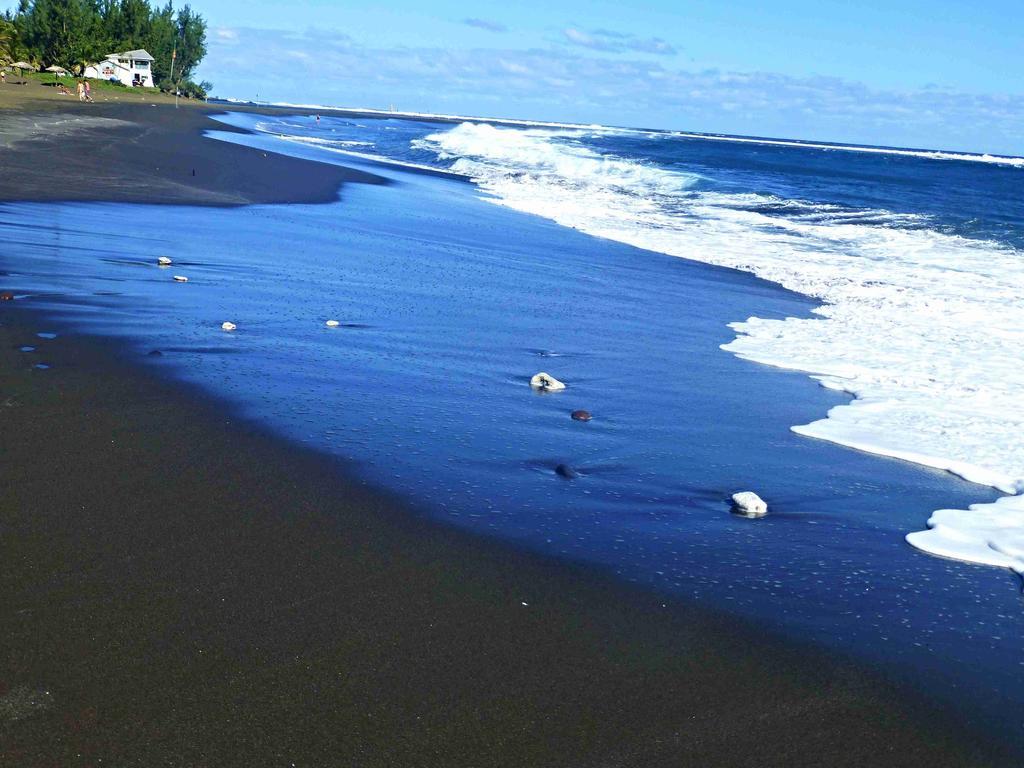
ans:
(74, 33)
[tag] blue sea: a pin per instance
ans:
(837, 328)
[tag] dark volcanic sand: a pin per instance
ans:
(134, 152)
(177, 588)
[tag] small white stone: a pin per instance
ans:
(332, 323)
(228, 326)
(180, 279)
(749, 504)
(546, 382)
(164, 261)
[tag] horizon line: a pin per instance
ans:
(925, 152)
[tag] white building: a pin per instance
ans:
(133, 68)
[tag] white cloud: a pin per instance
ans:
(611, 41)
(486, 24)
(557, 83)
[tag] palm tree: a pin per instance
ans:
(8, 40)
(12, 47)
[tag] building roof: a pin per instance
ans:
(111, 60)
(139, 55)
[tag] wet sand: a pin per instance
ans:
(179, 588)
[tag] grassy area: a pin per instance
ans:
(48, 79)
(40, 87)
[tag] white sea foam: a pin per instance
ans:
(340, 147)
(328, 142)
(405, 115)
(924, 329)
(533, 158)
(274, 128)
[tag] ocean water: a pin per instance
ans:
(888, 276)
(920, 248)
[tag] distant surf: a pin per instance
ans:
(926, 154)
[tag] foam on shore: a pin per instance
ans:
(923, 328)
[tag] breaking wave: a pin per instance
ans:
(923, 328)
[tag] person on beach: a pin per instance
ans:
(88, 91)
(3, 76)
(81, 91)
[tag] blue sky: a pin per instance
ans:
(936, 74)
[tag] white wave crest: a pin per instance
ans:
(341, 147)
(407, 115)
(481, 148)
(328, 142)
(924, 329)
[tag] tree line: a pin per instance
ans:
(74, 33)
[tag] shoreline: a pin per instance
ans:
(604, 673)
(179, 556)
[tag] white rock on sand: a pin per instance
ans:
(749, 504)
(546, 382)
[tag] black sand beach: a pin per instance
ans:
(178, 588)
(144, 150)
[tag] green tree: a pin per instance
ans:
(60, 32)
(191, 43)
(163, 33)
(110, 22)
(196, 90)
(71, 33)
(131, 25)
(21, 20)
(9, 44)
